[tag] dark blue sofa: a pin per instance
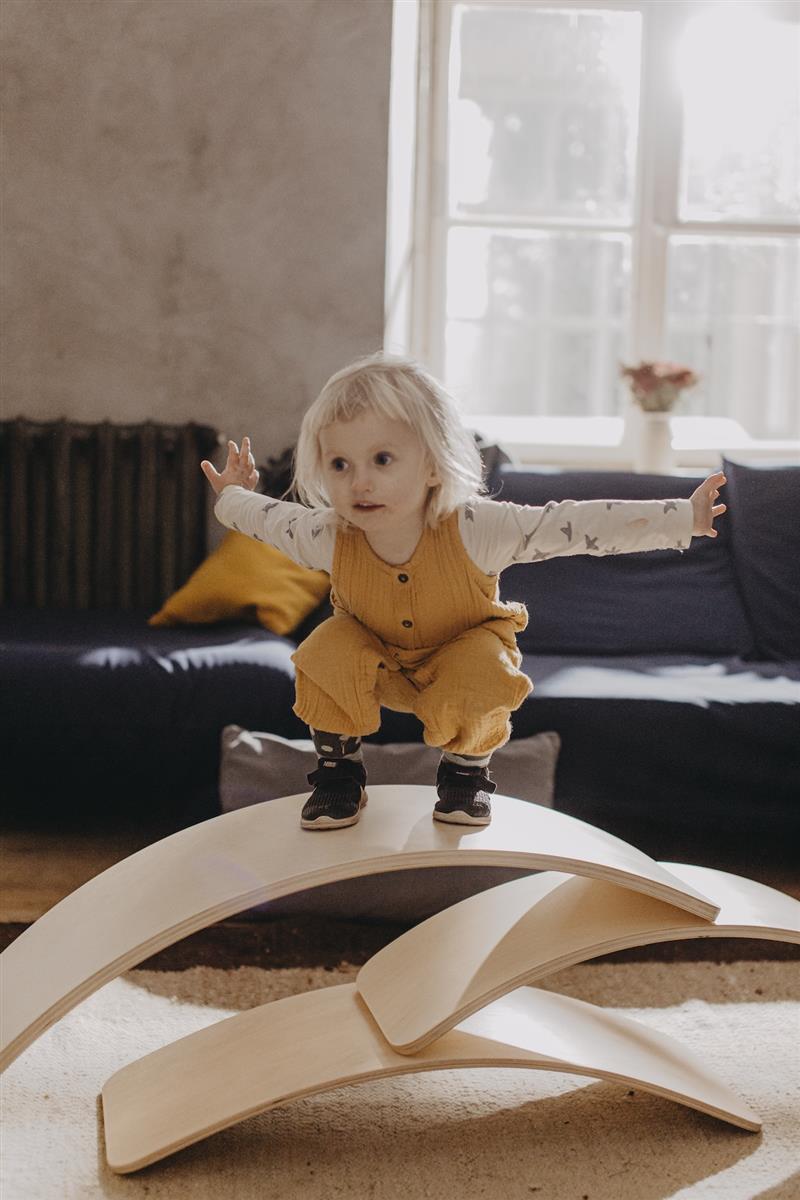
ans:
(673, 680)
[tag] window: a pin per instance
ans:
(611, 182)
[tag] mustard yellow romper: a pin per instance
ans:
(429, 637)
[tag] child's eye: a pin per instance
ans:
(338, 464)
(383, 458)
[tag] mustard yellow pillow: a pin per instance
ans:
(245, 578)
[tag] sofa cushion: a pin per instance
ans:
(101, 711)
(666, 748)
(765, 535)
(658, 601)
(258, 767)
(243, 579)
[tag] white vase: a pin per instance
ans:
(653, 444)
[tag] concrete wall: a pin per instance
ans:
(195, 206)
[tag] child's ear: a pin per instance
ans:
(433, 478)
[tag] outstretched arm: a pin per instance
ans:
(239, 469)
(304, 534)
(705, 510)
(498, 533)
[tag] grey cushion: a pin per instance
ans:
(261, 766)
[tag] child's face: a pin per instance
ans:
(376, 473)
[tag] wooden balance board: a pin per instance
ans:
(220, 867)
(284, 1050)
(521, 931)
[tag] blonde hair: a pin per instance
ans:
(399, 389)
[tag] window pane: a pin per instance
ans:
(733, 315)
(543, 111)
(536, 321)
(740, 78)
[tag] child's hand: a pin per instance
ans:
(240, 468)
(705, 510)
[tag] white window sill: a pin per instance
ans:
(609, 442)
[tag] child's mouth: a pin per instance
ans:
(367, 507)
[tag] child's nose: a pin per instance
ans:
(361, 480)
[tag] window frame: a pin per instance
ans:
(600, 441)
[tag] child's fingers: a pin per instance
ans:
(712, 484)
(210, 472)
(716, 511)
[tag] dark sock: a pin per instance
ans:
(337, 745)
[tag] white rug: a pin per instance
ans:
(504, 1134)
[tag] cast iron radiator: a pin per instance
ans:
(100, 515)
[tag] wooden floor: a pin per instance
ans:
(39, 867)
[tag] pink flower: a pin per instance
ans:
(657, 386)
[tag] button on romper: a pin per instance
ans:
(428, 637)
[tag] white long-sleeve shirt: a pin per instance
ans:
(496, 534)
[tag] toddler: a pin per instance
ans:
(393, 510)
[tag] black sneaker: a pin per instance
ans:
(463, 794)
(338, 795)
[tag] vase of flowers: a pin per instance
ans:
(656, 389)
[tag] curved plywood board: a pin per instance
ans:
(521, 931)
(222, 866)
(284, 1050)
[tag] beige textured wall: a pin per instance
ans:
(194, 220)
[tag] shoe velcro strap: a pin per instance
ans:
(338, 770)
(468, 779)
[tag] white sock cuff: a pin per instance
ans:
(467, 760)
